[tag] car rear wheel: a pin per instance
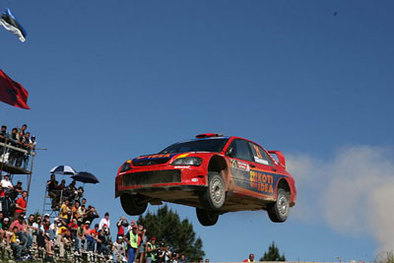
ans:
(215, 195)
(279, 210)
(133, 204)
(207, 218)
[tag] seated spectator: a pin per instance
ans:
(102, 243)
(118, 249)
(70, 190)
(6, 183)
(82, 212)
(91, 214)
(73, 226)
(65, 213)
(15, 244)
(60, 190)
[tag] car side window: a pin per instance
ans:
(260, 156)
(240, 149)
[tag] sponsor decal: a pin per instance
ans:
(262, 182)
(240, 165)
(155, 156)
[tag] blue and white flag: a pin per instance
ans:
(9, 22)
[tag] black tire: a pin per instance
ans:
(279, 210)
(133, 205)
(215, 195)
(207, 218)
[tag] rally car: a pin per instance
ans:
(215, 174)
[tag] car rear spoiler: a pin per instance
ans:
(280, 156)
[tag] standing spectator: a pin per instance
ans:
(20, 205)
(51, 188)
(250, 259)
(132, 244)
(16, 190)
(3, 138)
(14, 142)
(105, 221)
(122, 224)
(183, 259)
(151, 250)
(27, 145)
(141, 244)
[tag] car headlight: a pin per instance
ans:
(194, 161)
(125, 167)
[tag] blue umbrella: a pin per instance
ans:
(63, 169)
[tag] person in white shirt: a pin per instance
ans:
(6, 183)
(105, 221)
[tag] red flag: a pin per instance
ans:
(12, 92)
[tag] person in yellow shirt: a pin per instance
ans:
(16, 247)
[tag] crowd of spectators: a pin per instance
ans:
(74, 235)
(133, 245)
(19, 138)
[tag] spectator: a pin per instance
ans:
(15, 191)
(132, 244)
(182, 259)
(151, 250)
(6, 183)
(91, 214)
(121, 225)
(105, 221)
(141, 244)
(20, 205)
(65, 213)
(15, 244)
(3, 138)
(250, 259)
(118, 249)
(51, 188)
(13, 154)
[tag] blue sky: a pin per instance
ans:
(110, 80)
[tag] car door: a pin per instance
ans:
(241, 160)
(263, 173)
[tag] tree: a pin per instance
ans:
(166, 226)
(273, 254)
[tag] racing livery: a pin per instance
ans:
(215, 174)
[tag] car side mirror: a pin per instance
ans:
(230, 152)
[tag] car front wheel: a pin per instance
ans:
(215, 195)
(207, 218)
(279, 210)
(133, 205)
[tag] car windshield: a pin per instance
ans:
(207, 145)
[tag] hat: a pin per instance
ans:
(46, 215)
(6, 219)
(153, 238)
(133, 222)
(87, 222)
(56, 219)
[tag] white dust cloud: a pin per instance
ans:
(353, 192)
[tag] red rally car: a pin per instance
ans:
(213, 173)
